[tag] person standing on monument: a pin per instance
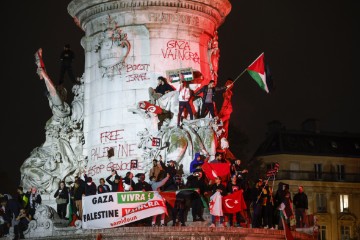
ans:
(66, 59)
(301, 207)
(62, 199)
(185, 93)
(208, 96)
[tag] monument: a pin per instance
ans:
(128, 44)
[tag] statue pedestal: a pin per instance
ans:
(48, 199)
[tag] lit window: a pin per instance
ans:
(344, 203)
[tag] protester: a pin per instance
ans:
(286, 210)
(196, 163)
(103, 188)
(23, 220)
(129, 182)
(142, 185)
(22, 198)
(218, 187)
(62, 199)
(162, 88)
(34, 201)
(155, 170)
(117, 183)
(257, 203)
(231, 187)
(78, 193)
(66, 59)
(185, 94)
(208, 92)
(155, 186)
(301, 206)
(196, 180)
(6, 215)
(90, 187)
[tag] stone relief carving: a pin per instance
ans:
(60, 156)
(179, 144)
(213, 56)
(113, 48)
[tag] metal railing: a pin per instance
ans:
(318, 176)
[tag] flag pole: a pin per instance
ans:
(239, 75)
(246, 69)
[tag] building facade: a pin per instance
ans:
(327, 165)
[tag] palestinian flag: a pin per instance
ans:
(171, 196)
(258, 72)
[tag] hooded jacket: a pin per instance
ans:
(195, 163)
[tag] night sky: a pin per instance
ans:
(311, 48)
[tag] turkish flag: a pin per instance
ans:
(213, 170)
(234, 202)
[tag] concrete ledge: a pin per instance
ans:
(174, 233)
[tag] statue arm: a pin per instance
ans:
(55, 98)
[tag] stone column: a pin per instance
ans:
(128, 44)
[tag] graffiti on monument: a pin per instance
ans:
(121, 150)
(113, 48)
(179, 50)
(120, 166)
(142, 76)
(174, 18)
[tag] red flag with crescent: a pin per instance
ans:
(234, 202)
(213, 170)
(147, 106)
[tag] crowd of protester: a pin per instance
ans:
(264, 208)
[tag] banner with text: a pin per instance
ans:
(109, 210)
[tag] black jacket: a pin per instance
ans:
(300, 200)
(114, 186)
(204, 90)
(139, 186)
(67, 56)
(63, 194)
(163, 88)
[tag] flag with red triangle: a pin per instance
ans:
(170, 196)
(258, 72)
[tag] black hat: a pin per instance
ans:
(171, 161)
(139, 175)
(89, 179)
(198, 170)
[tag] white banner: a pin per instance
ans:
(109, 210)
